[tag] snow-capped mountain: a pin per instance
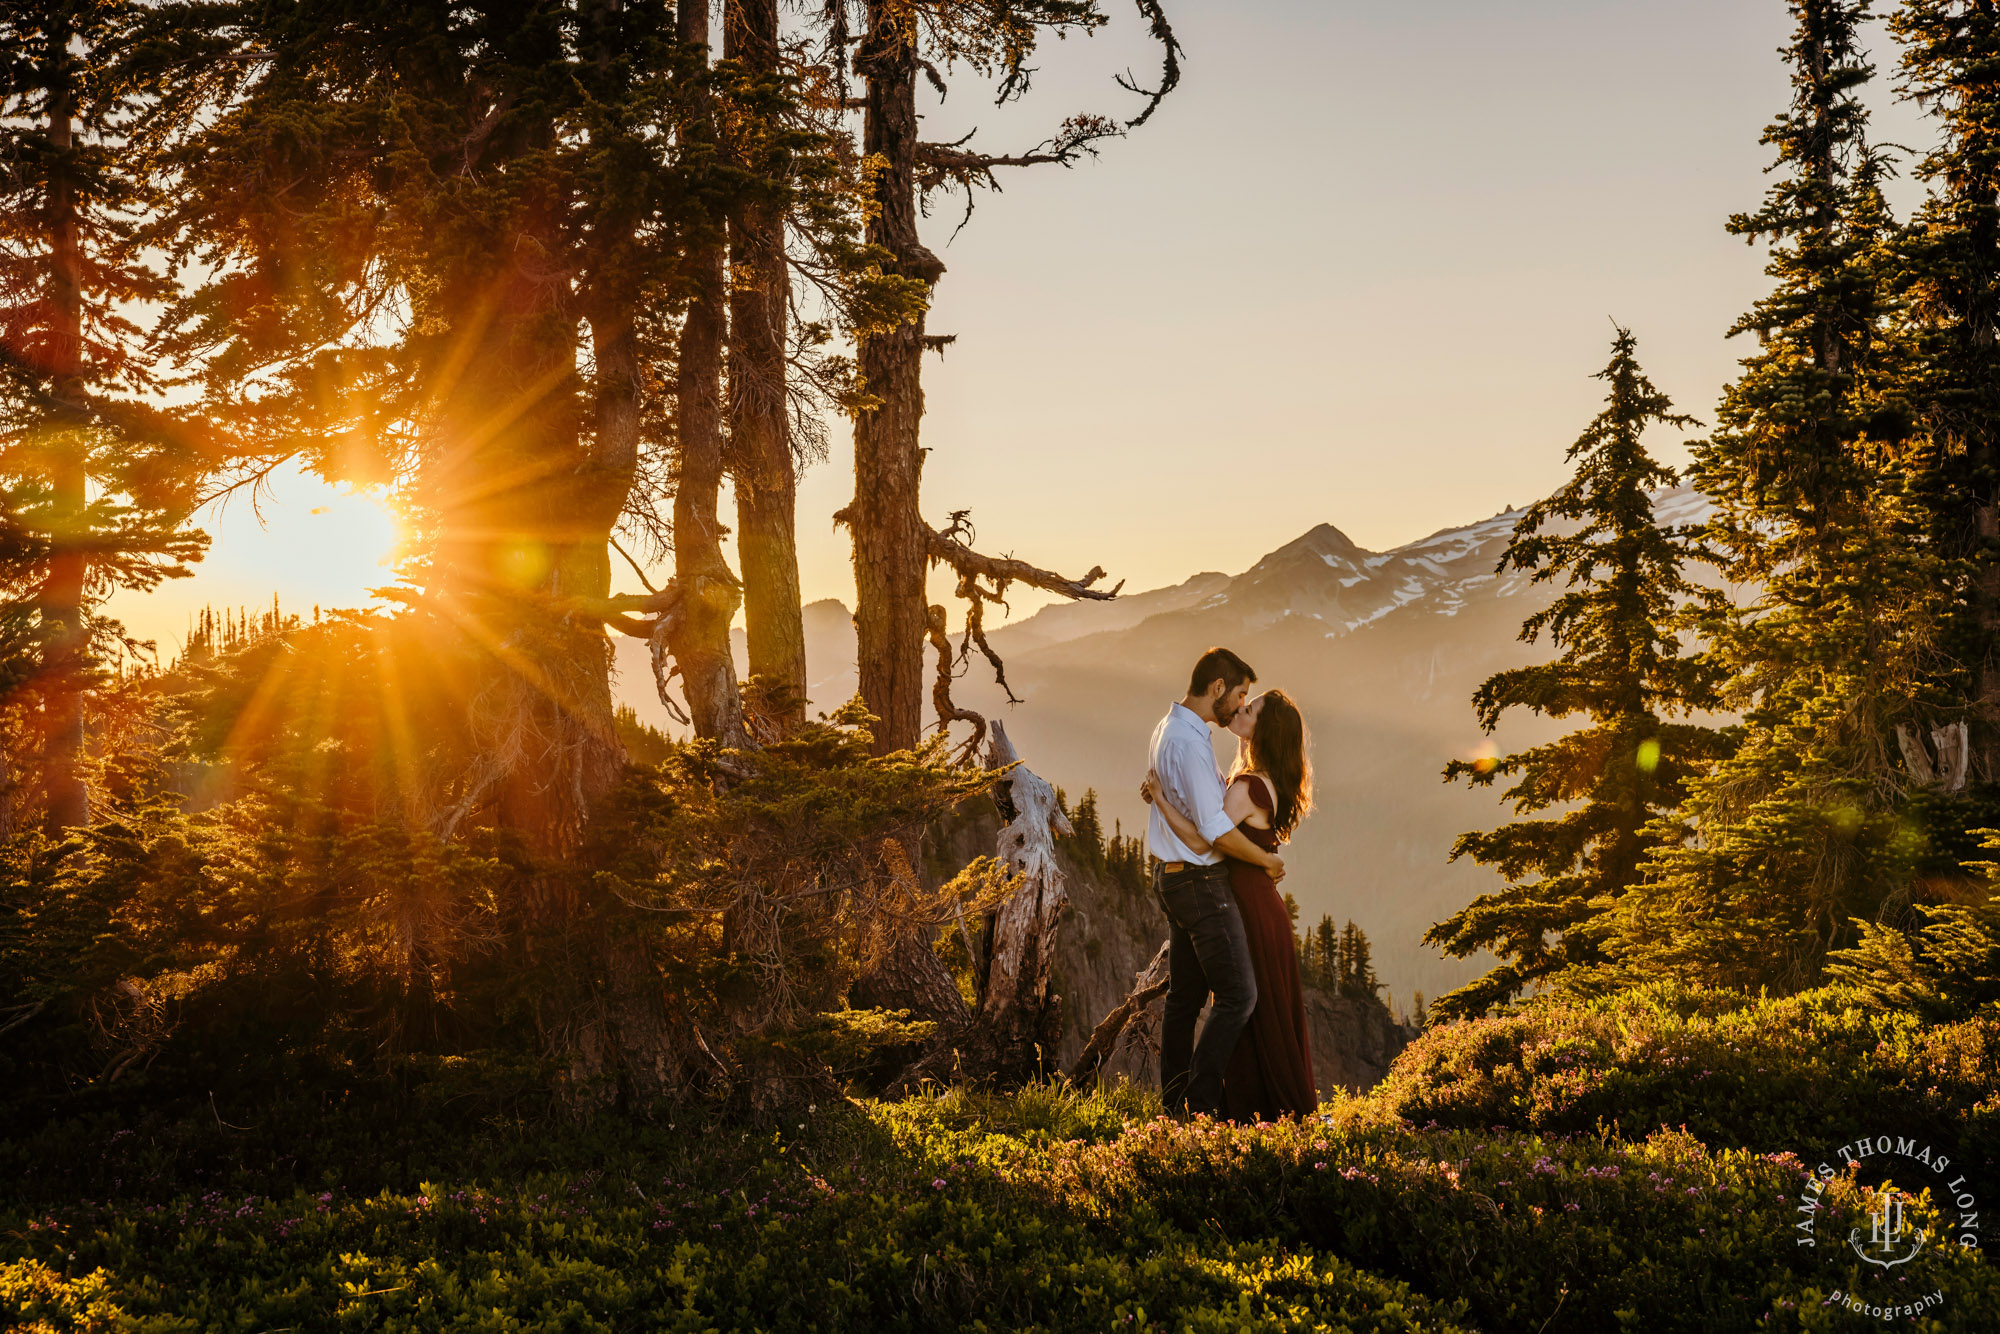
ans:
(1325, 577)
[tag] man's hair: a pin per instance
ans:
(1219, 664)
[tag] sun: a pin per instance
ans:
(359, 524)
(305, 541)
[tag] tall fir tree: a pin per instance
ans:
(97, 482)
(1621, 667)
(1949, 270)
(1801, 828)
(762, 445)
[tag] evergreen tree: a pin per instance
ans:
(1944, 968)
(96, 483)
(762, 444)
(1620, 667)
(1949, 269)
(1801, 828)
(1357, 978)
(1329, 968)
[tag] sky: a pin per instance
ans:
(1358, 269)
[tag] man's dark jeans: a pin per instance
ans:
(1207, 953)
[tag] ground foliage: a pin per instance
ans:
(1558, 1170)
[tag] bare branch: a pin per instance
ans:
(607, 608)
(1170, 70)
(1003, 570)
(634, 564)
(1077, 137)
(16, 1015)
(952, 547)
(1148, 986)
(948, 712)
(976, 599)
(663, 671)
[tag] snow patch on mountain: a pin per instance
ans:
(1322, 575)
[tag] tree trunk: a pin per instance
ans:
(766, 480)
(66, 649)
(890, 537)
(710, 593)
(522, 526)
(1020, 1015)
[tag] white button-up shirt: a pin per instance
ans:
(1185, 761)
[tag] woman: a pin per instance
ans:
(1270, 791)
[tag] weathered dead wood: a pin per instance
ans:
(1915, 756)
(1017, 1011)
(948, 549)
(1954, 751)
(1954, 755)
(1148, 985)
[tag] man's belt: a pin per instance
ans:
(1175, 868)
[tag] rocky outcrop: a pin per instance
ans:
(1114, 928)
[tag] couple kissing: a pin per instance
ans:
(1215, 840)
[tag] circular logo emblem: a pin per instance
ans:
(1891, 1199)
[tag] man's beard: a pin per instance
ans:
(1223, 719)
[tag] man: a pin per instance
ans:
(1207, 950)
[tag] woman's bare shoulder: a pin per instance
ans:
(1248, 794)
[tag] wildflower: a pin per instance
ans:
(937, 1183)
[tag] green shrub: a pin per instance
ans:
(1803, 1073)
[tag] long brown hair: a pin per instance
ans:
(1278, 745)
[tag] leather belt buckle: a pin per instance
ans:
(1173, 868)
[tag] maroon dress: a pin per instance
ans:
(1271, 1073)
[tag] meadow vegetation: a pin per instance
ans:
(1630, 1165)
